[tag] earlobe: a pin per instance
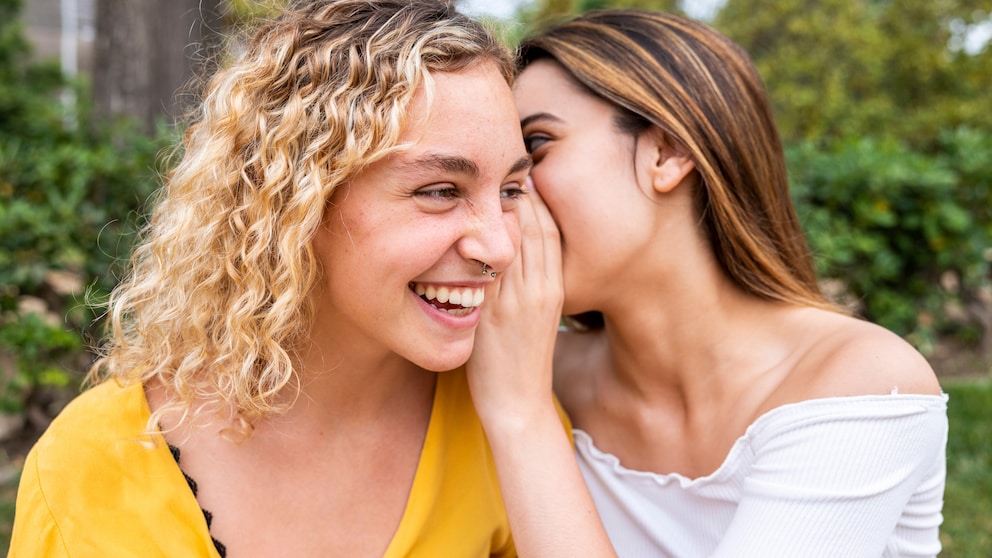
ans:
(671, 166)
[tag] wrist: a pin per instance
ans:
(523, 418)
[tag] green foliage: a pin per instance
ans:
(969, 153)
(892, 224)
(25, 109)
(68, 203)
(836, 68)
(8, 496)
(70, 191)
(39, 347)
(254, 10)
(552, 10)
(660, 5)
(12, 43)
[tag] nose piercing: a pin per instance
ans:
(485, 270)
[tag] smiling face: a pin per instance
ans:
(402, 244)
(587, 172)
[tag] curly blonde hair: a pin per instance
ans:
(219, 293)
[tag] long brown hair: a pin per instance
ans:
(703, 92)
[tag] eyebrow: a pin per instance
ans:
(539, 116)
(447, 163)
(521, 164)
(459, 165)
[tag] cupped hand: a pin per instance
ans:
(510, 367)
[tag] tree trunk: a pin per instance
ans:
(147, 51)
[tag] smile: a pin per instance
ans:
(453, 300)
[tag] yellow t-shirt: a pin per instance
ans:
(95, 486)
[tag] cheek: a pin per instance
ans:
(565, 189)
(549, 183)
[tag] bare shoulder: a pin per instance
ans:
(842, 356)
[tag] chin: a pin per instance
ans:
(444, 359)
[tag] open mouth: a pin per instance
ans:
(457, 301)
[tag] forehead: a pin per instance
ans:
(458, 120)
(547, 89)
(476, 94)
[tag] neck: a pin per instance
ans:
(692, 337)
(340, 383)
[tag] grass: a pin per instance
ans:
(967, 529)
(8, 491)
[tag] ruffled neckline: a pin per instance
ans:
(584, 443)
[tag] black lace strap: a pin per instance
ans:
(221, 549)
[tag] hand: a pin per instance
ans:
(509, 374)
(510, 366)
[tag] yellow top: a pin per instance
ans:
(95, 486)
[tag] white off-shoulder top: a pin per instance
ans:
(836, 477)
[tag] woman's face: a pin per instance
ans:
(587, 172)
(402, 243)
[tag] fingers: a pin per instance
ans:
(546, 239)
(536, 271)
(552, 239)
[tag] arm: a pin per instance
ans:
(840, 483)
(549, 507)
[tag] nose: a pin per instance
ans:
(492, 236)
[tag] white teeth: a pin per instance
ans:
(465, 297)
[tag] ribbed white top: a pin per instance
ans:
(836, 477)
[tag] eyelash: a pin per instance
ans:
(512, 193)
(438, 194)
(449, 194)
(528, 139)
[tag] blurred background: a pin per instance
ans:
(883, 105)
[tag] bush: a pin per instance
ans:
(71, 190)
(907, 233)
(40, 347)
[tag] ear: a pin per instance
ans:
(669, 164)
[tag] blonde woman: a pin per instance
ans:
(274, 381)
(722, 407)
